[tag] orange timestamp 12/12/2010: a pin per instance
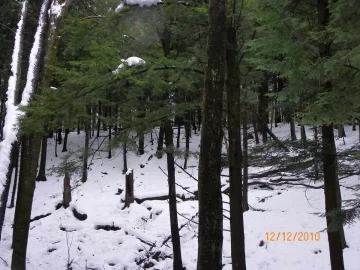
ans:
(292, 236)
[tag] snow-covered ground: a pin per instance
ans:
(141, 229)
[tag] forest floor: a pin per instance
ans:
(112, 238)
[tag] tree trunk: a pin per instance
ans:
(12, 202)
(141, 149)
(59, 136)
(129, 188)
(178, 136)
(187, 137)
(86, 150)
(245, 163)
(99, 121)
(235, 153)
(177, 260)
(160, 142)
(316, 154)
(5, 193)
(210, 238)
(56, 155)
(198, 113)
(292, 129)
(125, 168)
(303, 133)
(42, 169)
(67, 131)
(329, 154)
(67, 191)
(30, 147)
(257, 141)
(263, 108)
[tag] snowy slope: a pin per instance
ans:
(144, 227)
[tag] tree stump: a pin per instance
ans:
(129, 187)
(67, 191)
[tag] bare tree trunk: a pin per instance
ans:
(178, 136)
(257, 141)
(210, 238)
(141, 149)
(125, 168)
(12, 202)
(59, 136)
(86, 150)
(67, 131)
(56, 155)
(99, 121)
(5, 193)
(175, 237)
(160, 142)
(42, 169)
(235, 153)
(245, 163)
(303, 133)
(129, 188)
(329, 156)
(30, 147)
(67, 191)
(292, 129)
(187, 137)
(316, 159)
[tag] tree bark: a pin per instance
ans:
(292, 129)
(59, 136)
(245, 163)
(67, 191)
(210, 239)
(303, 133)
(329, 155)
(42, 169)
(129, 188)
(86, 150)
(177, 260)
(141, 149)
(12, 202)
(30, 147)
(235, 153)
(67, 131)
(125, 168)
(187, 137)
(160, 142)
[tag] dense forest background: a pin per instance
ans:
(248, 93)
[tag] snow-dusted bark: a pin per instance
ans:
(11, 127)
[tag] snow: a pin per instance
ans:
(287, 209)
(57, 8)
(35, 56)
(11, 127)
(141, 3)
(131, 61)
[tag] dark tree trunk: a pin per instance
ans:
(125, 168)
(67, 131)
(30, 147)
(303, 133)
(12, 202)
(292, 129)
(160, 142)
(354, 127)
(235, 153)
(316, 154)
(151, 138)
(187, 137)
(331, 195)
(177, 260)
(210, 238)
(5, 193)
(99, 121)
(341, 131)
(59, 136)
(141, 149)
(198, 113)
(329, 156)
(129, 188)
(245, 163)
(86, 150)
(42, 169)
(263, 108)
(193, 123)
(78, 127)
(257, 141)
(67, 191)
(178, 136)
(56, 155)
